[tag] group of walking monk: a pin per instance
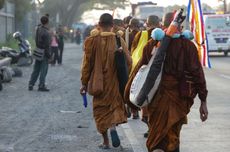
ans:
(168, 110)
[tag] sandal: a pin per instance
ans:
(146, 134)
(115, 138)
(103, 146)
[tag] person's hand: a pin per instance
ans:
(203, 111)
(50, 60)
(83, 89)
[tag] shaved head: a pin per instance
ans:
(168, 18)
(153, 20)
(106, 20)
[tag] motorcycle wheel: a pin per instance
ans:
(31, 60)
(1, 82)
(1, 85)
(7, 75)
(17, 72)
(25, 61)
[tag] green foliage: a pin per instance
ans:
(206, 7)
(21, 8)
(10, 42)
(32, 42)
(2, 3)
(70, 10)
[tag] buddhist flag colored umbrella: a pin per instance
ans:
(195, 17)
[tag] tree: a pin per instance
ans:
(228, 8)
(22, 7)
(207, 9)
(70, 9)
(2, 2)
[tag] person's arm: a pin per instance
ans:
(197, 73)
(46, 43)
(196, 70)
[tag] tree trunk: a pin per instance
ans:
(70, 15)
(2, 2)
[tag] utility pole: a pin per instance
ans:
(225, 6)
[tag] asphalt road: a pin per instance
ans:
(58, 122)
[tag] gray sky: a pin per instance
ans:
(212, 3)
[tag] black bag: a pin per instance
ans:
(121, 66)
(38, 54)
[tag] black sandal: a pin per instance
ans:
(115, 138)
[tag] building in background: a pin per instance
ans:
(142, 10)
(9, 24)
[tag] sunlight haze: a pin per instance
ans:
(212, 3)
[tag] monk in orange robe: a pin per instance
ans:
(108, 107)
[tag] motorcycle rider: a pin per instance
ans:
(41, 67)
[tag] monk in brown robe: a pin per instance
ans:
(152, 22)
(126, 21)
(169, 107)
(134, 26)
(108, 107)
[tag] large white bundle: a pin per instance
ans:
(139, 80)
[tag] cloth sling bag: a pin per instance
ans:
(138, 82)
(95, 84)
(152, 79)
(121, 66)
(38, 53)
(137, 53)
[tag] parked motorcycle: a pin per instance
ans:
(23, 57)
(1, 82)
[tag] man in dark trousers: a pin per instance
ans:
(61, 37)
(42, 40)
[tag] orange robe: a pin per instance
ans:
(168, 110)
(108, 108)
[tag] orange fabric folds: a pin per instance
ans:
(95, 84)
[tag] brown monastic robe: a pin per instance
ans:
(131, 38)
(108, 108)
(168, 110)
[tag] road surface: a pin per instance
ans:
(57, 121)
